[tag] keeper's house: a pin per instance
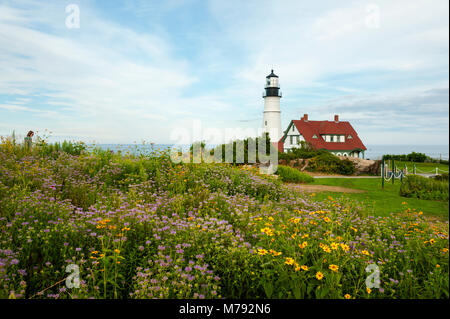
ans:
(337, 137)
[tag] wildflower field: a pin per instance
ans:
(140, 226)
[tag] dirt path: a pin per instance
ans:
(323, 188)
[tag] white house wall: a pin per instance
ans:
(296, 138)
(338, 138)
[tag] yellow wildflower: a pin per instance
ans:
(365, 252)
(262, 251)
(268, 231)
(289, 261)
(334, 268)
(319, 275)
(326, 249)
(347, 296)
(303, 245)
(274, 252)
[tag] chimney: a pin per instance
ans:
(336, 118)
(305, 117)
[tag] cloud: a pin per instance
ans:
(422, 116)
(136, 69)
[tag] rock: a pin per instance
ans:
(364, 166)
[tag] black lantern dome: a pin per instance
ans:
(272, 75)
(272, 85)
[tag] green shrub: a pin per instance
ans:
(72, 148)
(347, 167)
(412, 157)
(300, 153)
(329, 163)
(424, 188)
(289, 174)
(250, 146)
(442, 177)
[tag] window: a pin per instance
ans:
(266, 123)
(314, 136)
(293, 128)
(332, 138)
(349, 137)
(291, 138)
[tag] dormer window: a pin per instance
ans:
(314, 136)
(349, 137)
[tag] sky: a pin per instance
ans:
(133, 71)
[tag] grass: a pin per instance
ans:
(289, 174)
(382, 202)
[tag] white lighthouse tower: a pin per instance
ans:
(272, 112)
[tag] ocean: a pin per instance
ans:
(433, 151)
(373, 151)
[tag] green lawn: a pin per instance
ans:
(381, 202)
(420, 167)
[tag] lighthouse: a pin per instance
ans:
(272, 112)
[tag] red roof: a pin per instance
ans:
(310, 128)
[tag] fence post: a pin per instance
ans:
(382, 174)
(393, 171)
(414, 169)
